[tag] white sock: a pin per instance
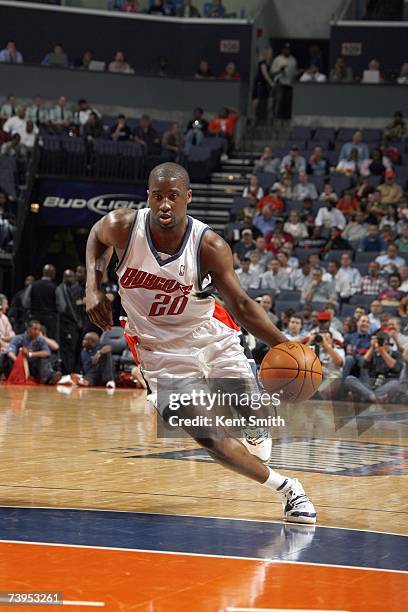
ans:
(275, 480)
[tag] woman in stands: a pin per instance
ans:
(262, 85)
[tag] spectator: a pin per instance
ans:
(391, 261)
(335, 323)
(245, 245)
(356, 143)
(121, 131)
(83, 63)
(374, 316)
(14, 148)
(276, 204)
(81, 116)
(394, 330)
(373, 66)
(353, 274)
(303, 189)
(341, 281)
(404, 278)
(171, 142)
(37, 113)
(60, 116)
(119, 65)
(267, 162)
(7, 226)
(318, 165)
(294, 329)
(40, 300)
(348, 204)
(260, 248)
(301, 277)
(284, 186)
(318, 290)
(68, 321)
(255, 265)
(373, 242)
(6, 329)
(351, 165)
(37, 353)
(131, 6)
(323, 323)
(224, 124)
(28, 135)
(275, 278)
(187, 9)
(328, 216)
(398, 128)
(403, 75)
(372, 283)
(292, 262)
(332, 358)
(146, 135)
(293, 163)
(215, 9)
(389, 220)
(230, 73)
(253, 190)
(356, 228)
(357, 344)
(56, 58)
(96, 362)
(10, 54)
(157, 8)
(336, 242)
(203, 71)
(402, 240)
(93, 128)
(392, 295)
(284, 71)
(312, 75)
(328, 194)
(391, 192)
(376, 165)
(340, 71)
(265, 221)
(247, 279)
(17, 312)
(9, 108)
(266, 302)
(195, 130)
(380, 368)
(263, 84)
(16, 124)
(294, 226)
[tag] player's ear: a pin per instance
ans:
(189, 196)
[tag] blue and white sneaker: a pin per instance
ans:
(259, 442)
(297, 507)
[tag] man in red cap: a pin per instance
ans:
(391, 192)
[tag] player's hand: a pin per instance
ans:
(99, 309)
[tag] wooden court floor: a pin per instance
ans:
(94, 505)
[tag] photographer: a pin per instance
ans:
(332, 359)
(380, 369)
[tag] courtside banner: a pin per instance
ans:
(83, 203)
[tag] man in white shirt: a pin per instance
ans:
(293, 162)
(84, 111)
(303, 189)
(284, 66)
(37, 113)
(293, 331)
(312, 75)
(247, 279)
(275, 278)
(391, 262)
(17, 123)
(264, 255)
(352, 274)
(329, 216)
(6, 330)
(28, 135)
(374, 316)
(60, 116)
(357, 228)
(340, 280)
(9, 108)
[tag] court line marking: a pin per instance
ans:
(95, 604)
(189, 554)
(219, 518)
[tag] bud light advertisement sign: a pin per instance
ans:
(83, 203)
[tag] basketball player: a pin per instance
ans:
(168, 263)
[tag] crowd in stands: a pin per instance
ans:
(326, 247)
(46, 336)
(173, 8)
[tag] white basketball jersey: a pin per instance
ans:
(163, 295)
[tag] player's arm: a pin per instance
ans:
(111, 232)
(216, 260)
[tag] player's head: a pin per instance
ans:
(169, 195)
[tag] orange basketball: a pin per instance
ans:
(291, 369)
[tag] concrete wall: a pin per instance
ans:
(163, 97)
(347, 104)
(303, 18)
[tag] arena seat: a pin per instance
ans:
(324, 134)
(288, 295)
(366, 256)
(299, 132)
(362, 298)
(199, 164)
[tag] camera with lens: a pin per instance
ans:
(318, 338)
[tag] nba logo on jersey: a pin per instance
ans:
(181, 271)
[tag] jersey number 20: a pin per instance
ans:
(167, 305)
